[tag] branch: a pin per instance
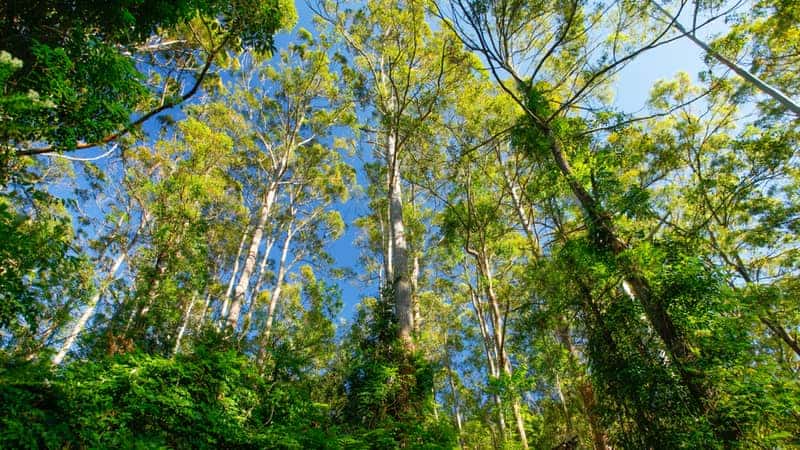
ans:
(128, 128)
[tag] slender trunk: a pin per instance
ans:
(415, 294)
(751, 78)
(586, 392)
(604, 237)
(491, 351)
(513, 188)
(400, 281)
(259, 284)
(738, 265)
(498, 326)
(252, 254)
(454, 392)
(182, 329)
(234, 272)
(204, 311)
(564, 408)
(91, 307)
(275, 296)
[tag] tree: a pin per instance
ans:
(286, 121)
(405, 70)
(78, 71)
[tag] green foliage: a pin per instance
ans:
(389, 390)
(210, 398)
(75, 83)
(41, 278)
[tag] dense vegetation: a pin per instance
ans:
(191, 192)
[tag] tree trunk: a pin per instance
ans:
(415, 294)
(585, 390)
(276, 292)
(454, 391)
(498, 325)
(252, 254)
(751, 78)
(91, 307)
(182, 329)
(400, 282)
(604, 238)
(259, 284)
(234, 272)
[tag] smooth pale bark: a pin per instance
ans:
(564, 408)
(248, 318)
(415, 294)
(513, 188)
(182, 329)
(91, 307)
(204, 311)
(454, 393)
(276, 291)
(490, 351)
(751, 78)
(498, 327)
(234, 272)
(252, 255)
(401, 283)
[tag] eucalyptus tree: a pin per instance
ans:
(553, 59)
(184, 193)
(405, 73)
(43, 274)
(767, 15)
(287, 108)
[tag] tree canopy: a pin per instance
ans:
(399, 224)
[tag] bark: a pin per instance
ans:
(400, 281)
(751, 78)
(736, 262)
(513, 188)
(252, 254)
(184, 324)
(586, 393)
(604, 238)
(564, 408)
(234, 272)
(491, 357)
(91, 307)
(498, 326)
(204, 311)
(257, 288)
(276, 292)
(415, 294)
(454, 391)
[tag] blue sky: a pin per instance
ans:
(631, 93)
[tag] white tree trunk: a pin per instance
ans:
(91, 307)
(234, 272)
(182, 329)
(252, 255)
(751, 78)
(276, 292)
(257, 287)
(400, 282)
